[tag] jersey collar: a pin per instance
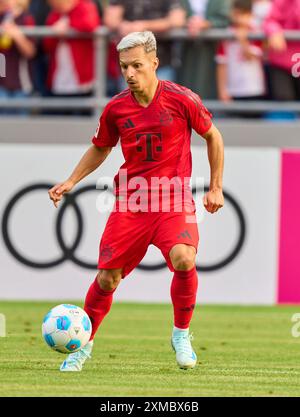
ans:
(155, 98)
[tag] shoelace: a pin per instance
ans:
(182, 343)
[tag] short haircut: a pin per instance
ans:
(243, 5)
(134, 39)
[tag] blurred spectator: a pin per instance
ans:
(39, 9)
(71, 60)
(99, 5)
(240, 74)
(284, 15)
(198, 67)
(260, 9)
(17, 48)
(125, 16)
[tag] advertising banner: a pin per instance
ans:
(52, 253)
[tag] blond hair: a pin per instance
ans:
(134, 39)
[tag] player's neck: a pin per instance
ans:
(145, 97)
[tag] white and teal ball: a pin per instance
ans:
(66, 328)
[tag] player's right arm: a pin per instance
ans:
(90, 161)
(106, 136)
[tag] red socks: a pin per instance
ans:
(97, 305)
(183, 294)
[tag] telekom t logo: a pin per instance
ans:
(150, 140)
(2, 66)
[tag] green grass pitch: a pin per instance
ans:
(242, 351)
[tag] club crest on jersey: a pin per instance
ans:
(165, 117)
(106, 253)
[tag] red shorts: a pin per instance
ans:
(127, 236)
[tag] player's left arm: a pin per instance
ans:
(213, 200)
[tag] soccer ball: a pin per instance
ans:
(66, 328)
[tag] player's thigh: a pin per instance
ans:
(124, 242)
(177, 234)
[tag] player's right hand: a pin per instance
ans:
(56, 193)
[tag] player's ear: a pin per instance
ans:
(156, 63)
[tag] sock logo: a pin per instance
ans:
(190, 308)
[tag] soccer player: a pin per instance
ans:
(153, 119)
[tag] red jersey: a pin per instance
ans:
(155, 140)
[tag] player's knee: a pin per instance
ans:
(109, 279)
(183, 264)
(183, 259)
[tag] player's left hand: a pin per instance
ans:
(213, 200)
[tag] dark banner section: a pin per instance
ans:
(94, 406)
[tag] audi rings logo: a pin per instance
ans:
(68, 251)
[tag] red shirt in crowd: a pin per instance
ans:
(73, 54)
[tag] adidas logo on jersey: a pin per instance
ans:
(129, 124)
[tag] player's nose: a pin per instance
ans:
(130, 73)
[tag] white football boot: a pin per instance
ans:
(75, 360)
(181, 344)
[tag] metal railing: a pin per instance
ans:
(101, 37)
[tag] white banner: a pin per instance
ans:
(45, 252)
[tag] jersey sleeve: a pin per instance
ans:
(107, 133)
(199, 117)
